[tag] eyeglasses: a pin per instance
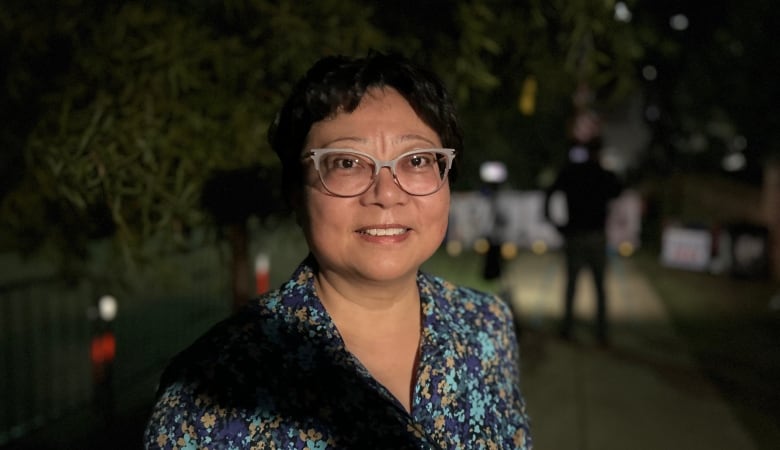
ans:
(348, 173)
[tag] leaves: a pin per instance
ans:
(133, 106)
(154, 100)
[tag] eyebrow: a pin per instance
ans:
(346, 138)
(400, 139)
(415, 137)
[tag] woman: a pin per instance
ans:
(358, 349)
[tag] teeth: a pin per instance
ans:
(384, 231)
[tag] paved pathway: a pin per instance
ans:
(643, 392)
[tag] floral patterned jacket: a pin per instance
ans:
(277, 375)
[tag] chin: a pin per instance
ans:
(385, 271)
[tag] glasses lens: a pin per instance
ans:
(348, 174)
(345, 173)
(421, 173)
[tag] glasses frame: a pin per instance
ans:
(317, 153)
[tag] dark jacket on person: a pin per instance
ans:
(588, 188)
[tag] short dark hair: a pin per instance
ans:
(338, 83)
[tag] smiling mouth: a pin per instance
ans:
(384, 231)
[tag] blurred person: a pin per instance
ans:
(493, 264)
(359, 349)
(588, 189)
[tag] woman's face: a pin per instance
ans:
(383, 234)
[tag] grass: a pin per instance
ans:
(733, 334)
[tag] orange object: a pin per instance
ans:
(103, 348)
(262, 282)
(262, 273)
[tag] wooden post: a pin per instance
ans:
(241, 280)
(772, 213)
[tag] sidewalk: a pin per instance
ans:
(643, 392)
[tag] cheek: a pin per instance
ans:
(321, 218)
(437, 214)
(304, 214)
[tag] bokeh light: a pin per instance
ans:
(481, 246)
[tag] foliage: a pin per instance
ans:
(125, 110)
(149, 100)
(561, 44)
(716, 88)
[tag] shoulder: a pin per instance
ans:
(228, 376)
(459, 294)
(466, 306)
(254, 338)
(226, 344)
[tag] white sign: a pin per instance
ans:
(686, 248)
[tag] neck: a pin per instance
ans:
(366, 309)
(381, 326)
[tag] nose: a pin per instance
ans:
(385, 191)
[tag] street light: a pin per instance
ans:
(107, 308)
(493, 172)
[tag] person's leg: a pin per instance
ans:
(573, 266)
(598, 264)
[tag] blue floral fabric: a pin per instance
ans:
(277, 376)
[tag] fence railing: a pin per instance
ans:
(44, 348)
(46, 332)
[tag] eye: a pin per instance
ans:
(342, 161)
(421, 160)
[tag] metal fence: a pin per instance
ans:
(46, 331)
(44, 348)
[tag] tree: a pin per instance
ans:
(716, 95)
(559, 45)
(152, 100)
(129, 109)
(125, 111)
(715, 87)
(144, 102)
